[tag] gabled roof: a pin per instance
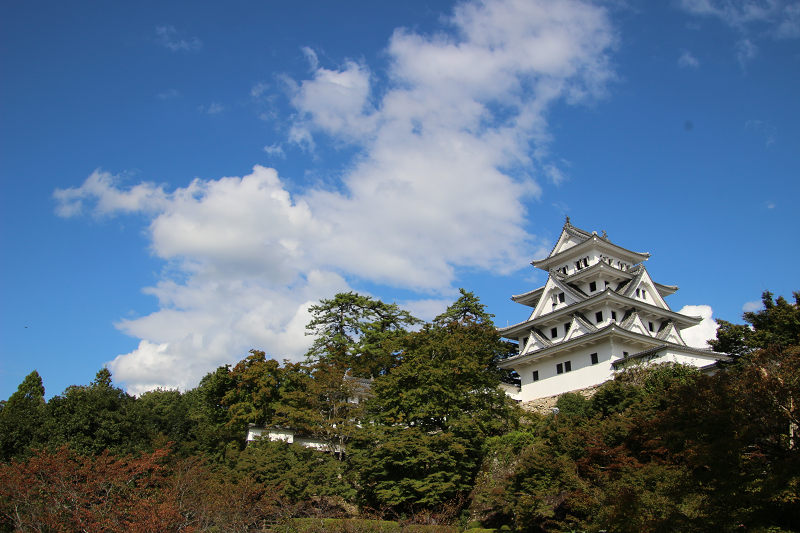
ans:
(668, 329)
(681, 321)
(586, 240)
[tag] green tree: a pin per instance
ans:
(778, 323)
(22, 417)
(448, 377)
(323, 401)
(356, 332)
(165, 417)
(433, 411)
(92, 419)
(295, 473)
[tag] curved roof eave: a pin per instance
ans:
(588, 243)
(606, 293)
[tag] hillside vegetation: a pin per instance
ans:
(431, 445)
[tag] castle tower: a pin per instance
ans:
(599, 310)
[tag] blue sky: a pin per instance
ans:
(181, 180)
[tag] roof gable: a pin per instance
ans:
(643, 282)
(579, 327)
(535, 341)
(670, 333)
(551, 297)
(570, 237)
(633, 322)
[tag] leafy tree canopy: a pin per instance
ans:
(22, 417)
(356, 332)
(777, 324)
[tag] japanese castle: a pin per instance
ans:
(598, 311)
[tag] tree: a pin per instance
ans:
(164, 416)
(777, 324)
(92, 419)
(356, 332)
(22, 417)
(433, 411)
(324, 402)
(448, 375)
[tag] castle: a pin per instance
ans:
(598, 311)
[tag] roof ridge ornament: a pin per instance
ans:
(567, 222)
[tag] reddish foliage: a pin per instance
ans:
(62, 491)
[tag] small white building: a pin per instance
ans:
(598, 311)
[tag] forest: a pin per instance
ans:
(430, 444)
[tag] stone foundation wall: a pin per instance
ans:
(544, 406)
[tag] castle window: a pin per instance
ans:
(593, 286)
(644, 294)
(561, 297)
(535, 375)
(613, 315)
(566, 328)
(594, 358)
(637, 293)
(624, 354)
(598, 317)
(554, 333)
(568, 366)
(650, 325)
(607, 284)
(559, 368)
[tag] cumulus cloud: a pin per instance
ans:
(167, 36)
(699, 335)
(447, 152)
(687, 60)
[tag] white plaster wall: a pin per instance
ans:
(273, 434)
(684, 359)
(583, 373)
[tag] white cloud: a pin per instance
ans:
(214, 109)
(697, 336)
(789, 27)
(259, 89)
(688, 60)
(555, 174)
(753, 306)
(745, 51)
(102, 190)
(765, 128)
(275, 150)
(779, 19)
(446, 154)
(736, 13)
(166, 36)
(169, 94)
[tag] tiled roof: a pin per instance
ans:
(574, 291)
(708, 353)
(585, 323)
(515, 297)
(627, 320)
(541, 338)
(635, 281)
(573, 231)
